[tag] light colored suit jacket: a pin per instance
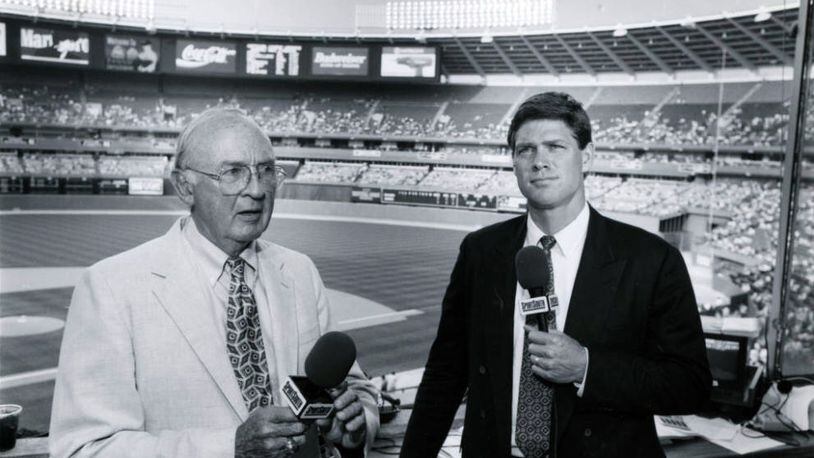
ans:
(142, 370)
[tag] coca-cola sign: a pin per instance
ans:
(51, 45)
(205, 56)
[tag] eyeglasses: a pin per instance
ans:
(232, 180)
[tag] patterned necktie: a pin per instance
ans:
(535, 398)
(244, 340)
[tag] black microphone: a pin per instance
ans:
(326, 367)
(532, 276)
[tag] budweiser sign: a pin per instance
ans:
(343, 61)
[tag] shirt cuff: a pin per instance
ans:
(581, 385)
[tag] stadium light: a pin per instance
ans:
(763, 15)
(435, 14)
(619, 31)
(486, 38)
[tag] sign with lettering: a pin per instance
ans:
(54, 45)
(339, 61)
(194, 56)
(271, 59)
(409, 62)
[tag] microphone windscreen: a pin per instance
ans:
(530, 266)
(330, 359)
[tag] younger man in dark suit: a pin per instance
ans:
(631, 344)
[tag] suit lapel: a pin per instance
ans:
(501, 304)
(282, 310)
(176, 289)
(597, 279)
(498, 317)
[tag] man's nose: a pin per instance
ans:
(541, 161)
(254, 188)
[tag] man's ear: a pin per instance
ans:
(587, 157)
(183, 187)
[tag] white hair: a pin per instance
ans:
(222, 117)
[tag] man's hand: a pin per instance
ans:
(267, 432)
(556, 357)
(347, 427)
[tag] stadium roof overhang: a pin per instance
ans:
(705, 47)
(710, 46)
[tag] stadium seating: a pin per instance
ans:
(38, 164)
(392, 175)
(329, 172)
(134, 166)
(456, 179)
(658, 115)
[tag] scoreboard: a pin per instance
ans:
(44, 43)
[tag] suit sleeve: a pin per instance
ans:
(445, 375)
(357, 380)
(97, 410)
(671, 376)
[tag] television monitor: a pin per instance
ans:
(727, 359)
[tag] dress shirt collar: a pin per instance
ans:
(569, 239)
(211, 259)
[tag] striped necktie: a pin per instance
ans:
(535, 399)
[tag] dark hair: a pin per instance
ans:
(556, 106)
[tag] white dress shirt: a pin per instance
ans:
(565, 256)
(210, 262)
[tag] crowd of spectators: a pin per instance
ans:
(42, 164)
(392, 175)
(10, 164)
(642, 196)
(456, 179)
(39, 164)
(330, 172)
(733, 129)
(80, 106)
(134, 166)
(502, 183)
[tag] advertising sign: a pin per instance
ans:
(194, 56)
(339, 61)
(270, 59)
(131, 53)
(409, 62)
(141, 186)
(2, 39)
(512, 204)
(52, 45)
(366, 194)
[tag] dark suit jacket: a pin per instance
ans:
(632, 306)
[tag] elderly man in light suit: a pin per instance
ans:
(179, 346)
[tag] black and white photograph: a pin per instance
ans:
(413, 228)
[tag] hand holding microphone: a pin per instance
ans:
(322, 395)
(269, 431)
(555, 356)
(347, 427)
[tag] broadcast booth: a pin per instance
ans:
(717, 68)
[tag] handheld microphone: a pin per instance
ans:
(326, 366)
(533, 277)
